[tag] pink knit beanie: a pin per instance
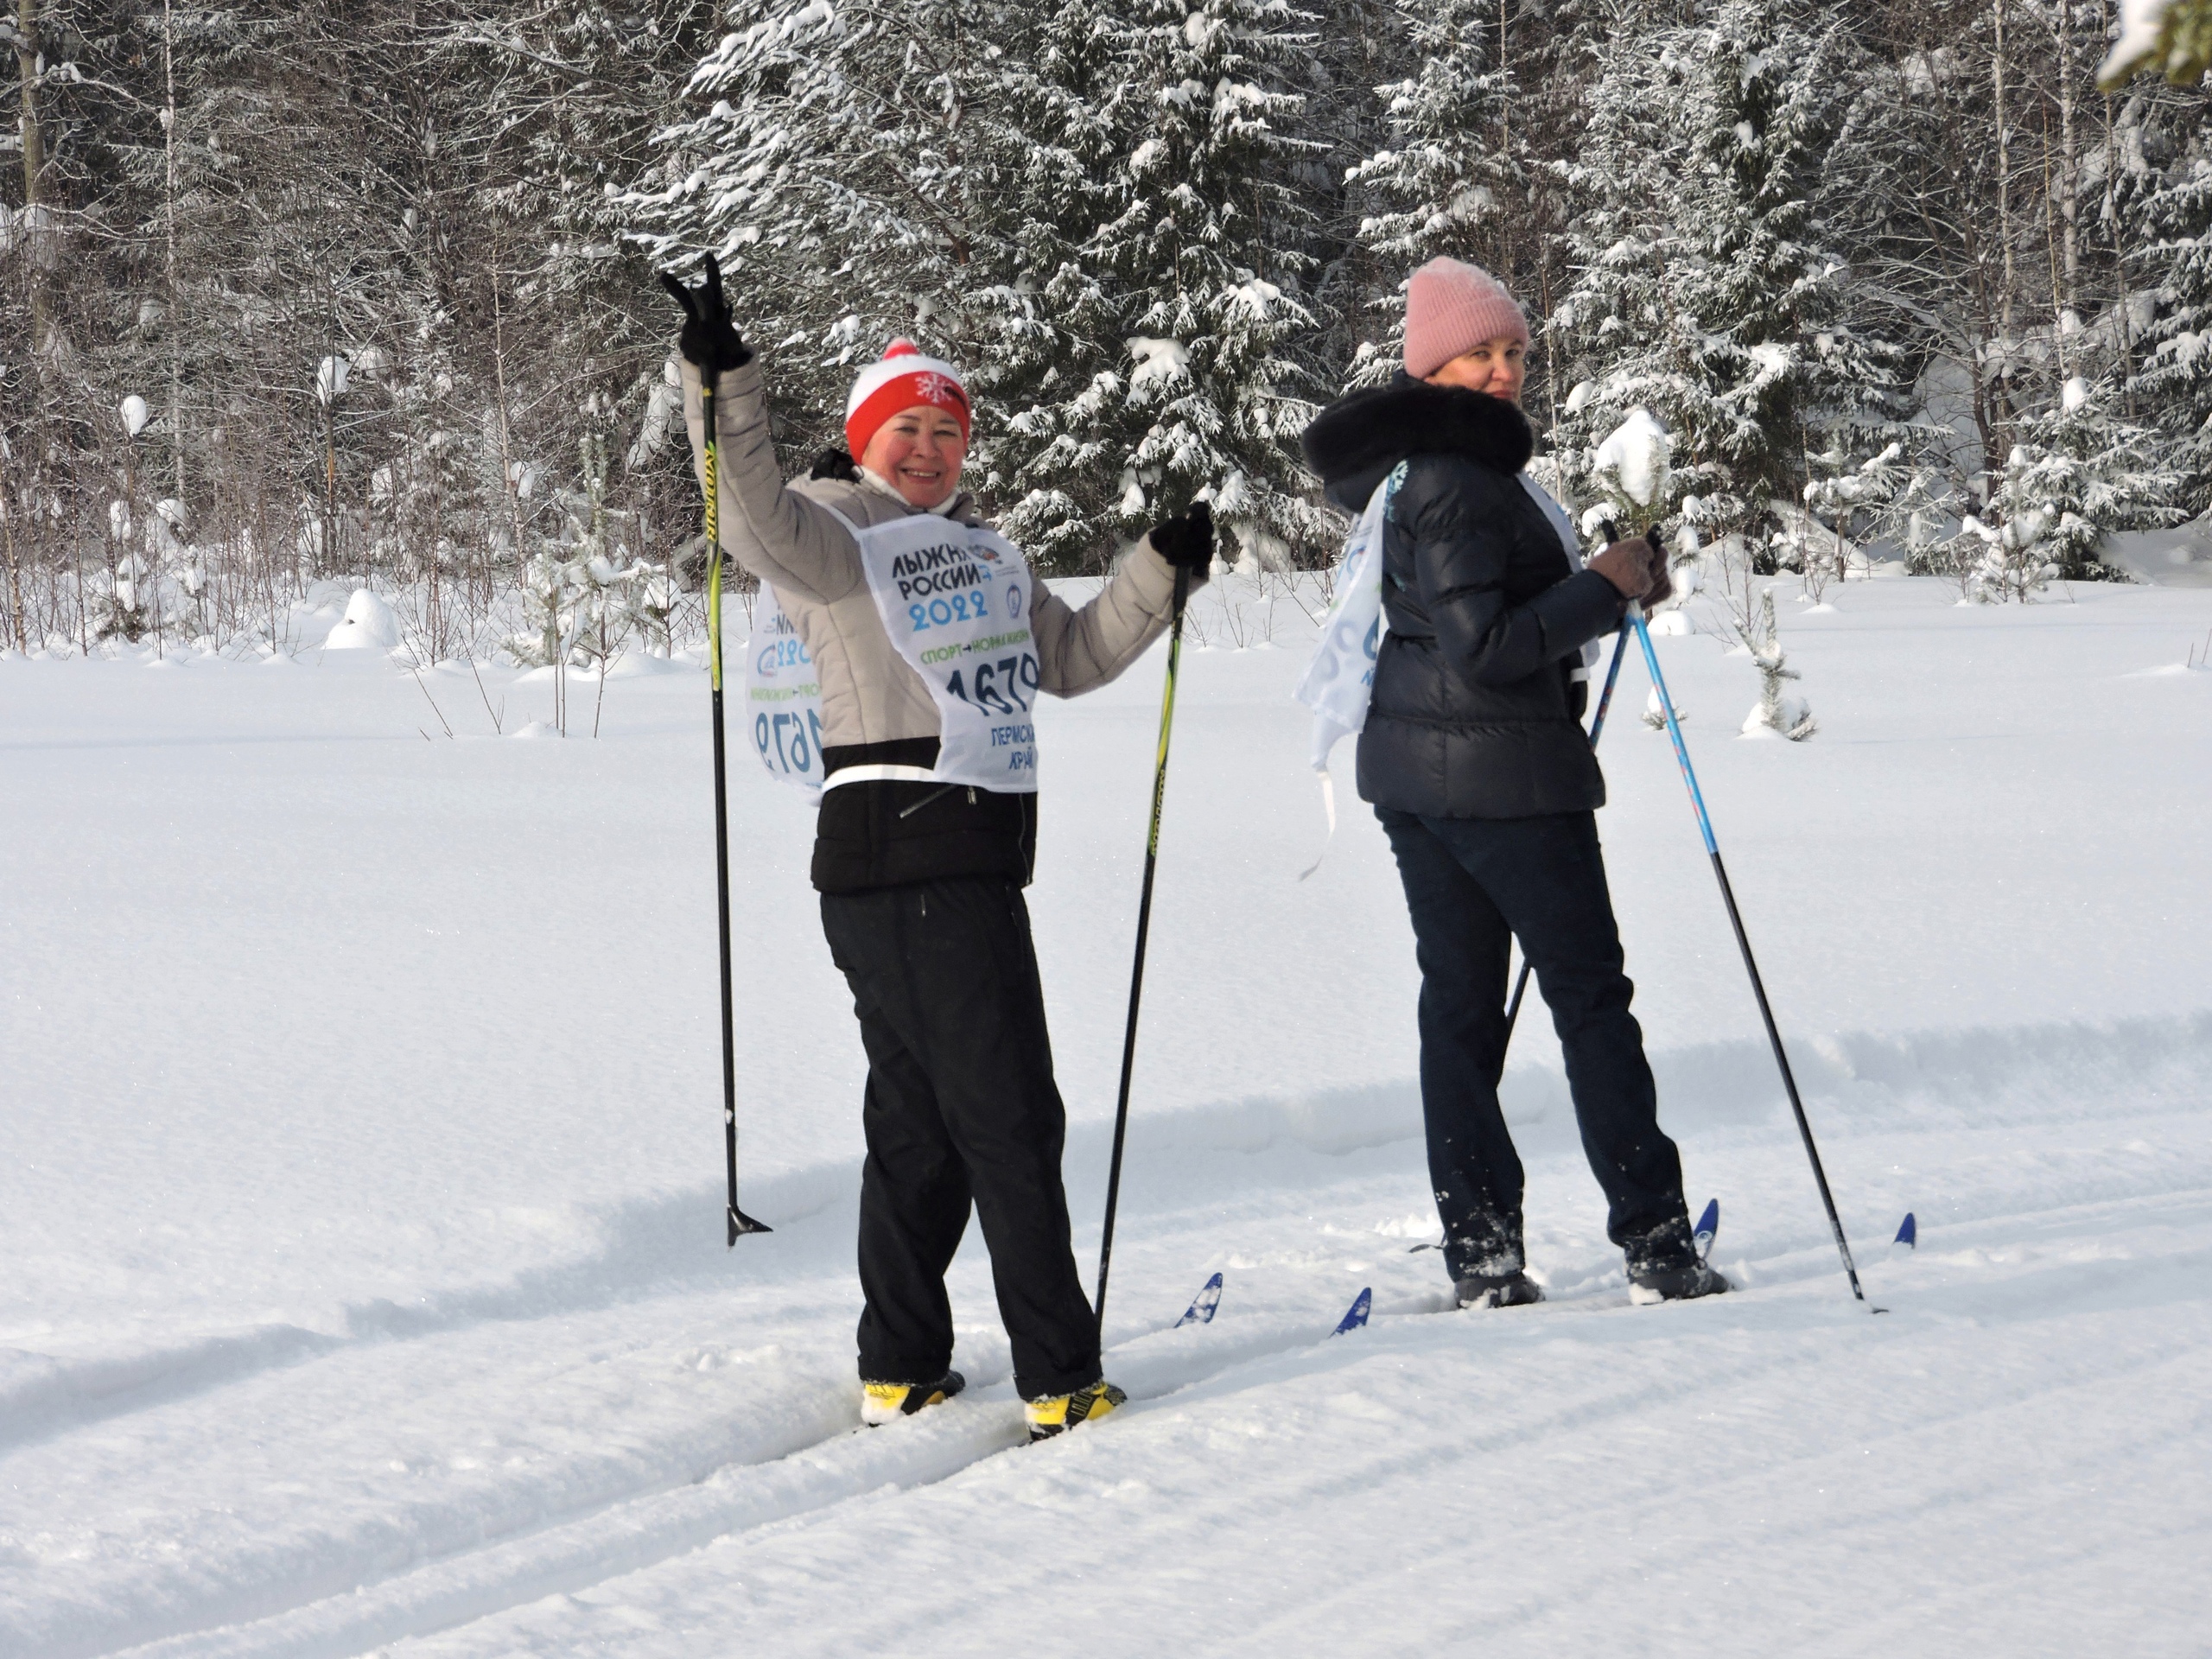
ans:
(1451, 308)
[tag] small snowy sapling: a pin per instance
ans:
(1776, 713)
(1655, 712)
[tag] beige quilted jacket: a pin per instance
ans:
(781, 533)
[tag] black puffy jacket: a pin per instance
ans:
(1475, 712)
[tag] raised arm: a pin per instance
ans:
(1081, 648)
(797, 545)
(778, 535)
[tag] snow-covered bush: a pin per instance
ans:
(1844, 501)
(584, 595)
(2078, 473)
(120, 605)
(368, 625)
(1994, 562)
(1655, 712)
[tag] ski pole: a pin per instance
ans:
(1144, 929)
(1744, 944)
(738, 1221)
(1597, 726)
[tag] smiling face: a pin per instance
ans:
(1497, 366)
(919, 452)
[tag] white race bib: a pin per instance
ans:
(955, 600)
(783, 695)
(1341, 677)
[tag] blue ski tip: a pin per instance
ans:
(1203, 1305)
(1908, 1233)
(1707, 1225)
(1356, 1315)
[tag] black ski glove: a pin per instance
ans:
(834, 462)
(1186, 543)
(710, 342)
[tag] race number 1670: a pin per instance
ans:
(788, 742)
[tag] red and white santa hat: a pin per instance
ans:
(902, 379)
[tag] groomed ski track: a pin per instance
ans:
(1786, 1396)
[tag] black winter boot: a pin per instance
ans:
(1681, 1283)
(1514, 1289)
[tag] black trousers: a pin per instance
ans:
(1472, 885)
(961, 1107)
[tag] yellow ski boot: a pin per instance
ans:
(1058, 1412)
(886, 1402)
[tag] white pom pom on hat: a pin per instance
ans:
(901, 379)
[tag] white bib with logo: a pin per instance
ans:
(1340, 679)
(955, 599)
(783, 695)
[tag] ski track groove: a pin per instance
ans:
(653, 1523)
(561, 1556)
(2090, 1370)
(1319, 1356)
(64, 1396)
(698, 1517)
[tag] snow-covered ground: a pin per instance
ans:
(365, 1288)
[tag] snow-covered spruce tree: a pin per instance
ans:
(1206, 255)
(2078, 473)
(848, 173)
(1052, 380)
(1016, 190)
(1895, 495)
(2169, 214)
(1705, 291)
(1486, 99)
(1453, 177)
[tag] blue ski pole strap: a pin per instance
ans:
(1674, 726)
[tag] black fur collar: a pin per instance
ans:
(1384, 424)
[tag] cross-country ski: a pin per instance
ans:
(1204, 1305)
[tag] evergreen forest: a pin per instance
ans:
(364, 288)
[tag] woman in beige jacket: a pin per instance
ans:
(929, 640)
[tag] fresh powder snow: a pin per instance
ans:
(366, 1287)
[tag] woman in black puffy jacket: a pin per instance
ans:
(1474, 758)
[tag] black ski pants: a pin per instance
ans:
(1472, 885)
(961, 1107)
